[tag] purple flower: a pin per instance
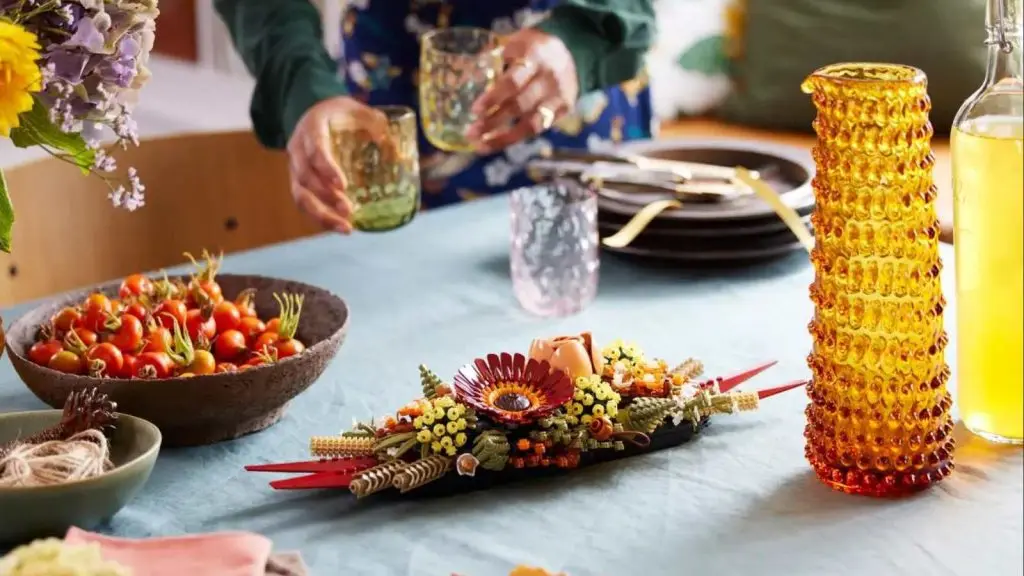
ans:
(94, 62)
(86, 36)
(121, 70)
(68, 66)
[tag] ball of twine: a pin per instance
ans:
(82, 456)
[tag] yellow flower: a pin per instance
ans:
(452, 426)
(435, 446)
(460, 439)
(439, 430)
(424, 436)
(447, 441)
(449, 450)
(428, 419)
(453, 414)
(19, 74)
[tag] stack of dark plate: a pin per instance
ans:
(734, 229)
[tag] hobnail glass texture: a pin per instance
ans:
(878, 422)
(554, 254)
(383, 185)
(456, 66)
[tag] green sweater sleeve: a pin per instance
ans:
(607, 38)
(281, 43)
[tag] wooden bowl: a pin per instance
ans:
(42, 511)
(201, 409)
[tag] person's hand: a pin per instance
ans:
(317, 182)
(538, 87)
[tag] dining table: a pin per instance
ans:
(740, 499)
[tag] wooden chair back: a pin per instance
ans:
(219, 191)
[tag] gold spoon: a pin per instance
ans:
(787, 214)
(625, 236)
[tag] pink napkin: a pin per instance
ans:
(216, 554)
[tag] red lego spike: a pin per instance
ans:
(318, 480)
(323, 465)
(769, 392)
(726, 384)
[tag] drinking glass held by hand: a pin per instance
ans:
(318, 183)
(456, 66)
(538, 86)
(554, 254)
(383, 179)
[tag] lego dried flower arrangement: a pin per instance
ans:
(563, 405)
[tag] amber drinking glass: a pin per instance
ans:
(383, 181)
(456, 66)
(554, 256)
(879, 418)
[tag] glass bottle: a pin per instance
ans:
(988, 184)
(879, 419)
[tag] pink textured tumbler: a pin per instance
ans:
(554, 255)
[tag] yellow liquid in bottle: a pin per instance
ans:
(988, 174)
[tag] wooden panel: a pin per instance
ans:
(176, 30)
(943, 173)
(216, 191)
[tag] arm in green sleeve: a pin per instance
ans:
(607, 38)
(281, 43)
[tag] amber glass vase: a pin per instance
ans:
(879, 419)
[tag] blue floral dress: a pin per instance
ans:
(380, 53)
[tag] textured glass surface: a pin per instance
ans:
(878, 422)
(456, 66)
(383, 185)
(554, 256)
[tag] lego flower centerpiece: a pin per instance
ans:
(564, 404)
(70, 71)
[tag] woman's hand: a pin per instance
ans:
(538, 87)
(317, 181)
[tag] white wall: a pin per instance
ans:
(217, 53)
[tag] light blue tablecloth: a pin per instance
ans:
(740, 500)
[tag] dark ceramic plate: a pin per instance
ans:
(687, 244)
(788, 170)
(42, 511)
(612, 223)
(201, 409)
(707, 257)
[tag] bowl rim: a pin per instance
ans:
(148, 454)
(113, 285)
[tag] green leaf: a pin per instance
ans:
(37, 130)
(6, 215)
(706, 56)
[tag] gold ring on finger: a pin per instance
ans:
(547, 117)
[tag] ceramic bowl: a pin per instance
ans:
(38, 512)
(201, 409)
